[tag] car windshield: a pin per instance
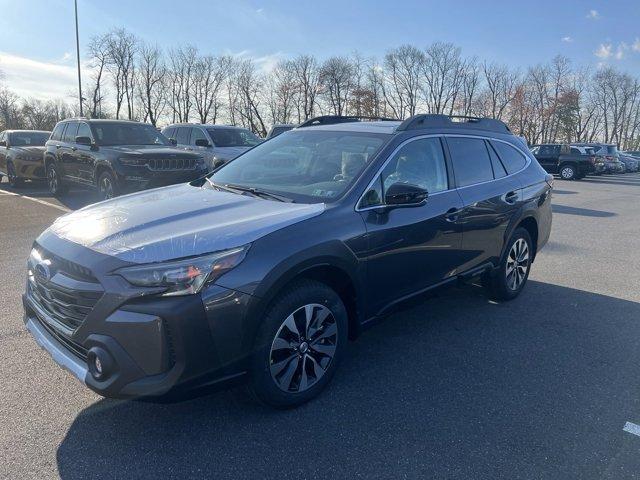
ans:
(28, 139)
(107, 133)
(233, 137)
(305, 165)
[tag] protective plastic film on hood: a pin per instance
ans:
(176, 222)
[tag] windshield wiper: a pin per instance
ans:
(258, 192)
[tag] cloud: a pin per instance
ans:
(567, 39)
(604, 51)
(593, 15)
(620, 51)
(38, 79)
(636, 45)
(260, 10)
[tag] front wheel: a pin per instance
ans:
(107, 186)
(54, 181)
(509, 279)
(568, 172)
(12, 176)
(299, 345)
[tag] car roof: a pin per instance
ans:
(25, 131)
(205, 125)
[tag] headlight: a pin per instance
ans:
(184, 277)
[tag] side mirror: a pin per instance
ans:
(201, 142)
(84, 141)
(218, 162)
(173, 141)
(407, 194)
(3, 143)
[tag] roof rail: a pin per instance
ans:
(333, 119)
(432, 120)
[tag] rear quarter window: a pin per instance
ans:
(471, 162)
(512, 159)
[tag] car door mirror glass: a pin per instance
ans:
(84, 141)
(173, 141)
(201, 142)
(3, 143)
(405, 194)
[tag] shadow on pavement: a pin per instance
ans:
(73, 199)
(455, 386)
(585, 212)
(564, 192)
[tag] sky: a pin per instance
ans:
(37, 37)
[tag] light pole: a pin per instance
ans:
(78, 58)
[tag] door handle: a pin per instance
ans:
(452, 215)
(511, 197)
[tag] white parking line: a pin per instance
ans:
(632, 428)
(37, 200)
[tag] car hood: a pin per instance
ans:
(151, 151)
(177, 221)
(228, 153)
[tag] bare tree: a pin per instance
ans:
(404, 67)
(122, 47)
(307, 76)
(247, 84)
(99, 58)
(336, 80)
(282, 91)
(183, 64)
(500, 89)
(444, 72)
(152, 82)
(209, 76)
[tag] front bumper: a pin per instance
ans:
(148, 346)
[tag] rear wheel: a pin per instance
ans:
(54, 180)
(509, 279)
(299, 345)
(12, 176)
(107, 186)
(568, 172)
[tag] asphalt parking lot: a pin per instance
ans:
(452, 386)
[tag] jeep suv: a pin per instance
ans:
(265, 268)
(115, 156)
(216, 143)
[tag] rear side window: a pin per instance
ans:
(512, 159)
(57, 132)
(70, 132)
(471, 162)
(498, 169)
(182, 135)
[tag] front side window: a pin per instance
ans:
(420, 162)
(512, 159)
(84, 131)
(471, 162)
(127, 133)
(233, 137)
(305, 165)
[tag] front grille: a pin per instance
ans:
(72, 346)
(163, 164)
(66, 291)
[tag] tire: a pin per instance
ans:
(54, 180)
(500, 283)
(12, 176)
(107, 186)
(568, 172)
(289, 368)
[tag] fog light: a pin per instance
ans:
(100, 363)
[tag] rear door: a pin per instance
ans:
(547, 157)
(64, 152)
(491, 196)
(413, 247)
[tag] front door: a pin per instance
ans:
(411, 247)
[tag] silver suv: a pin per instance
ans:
(216, 143)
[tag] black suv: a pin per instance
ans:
(115, 156)
(263, 269)
(567, 161)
